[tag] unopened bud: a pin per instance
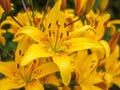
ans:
(63, 4)
(82, 7)
(103, 4)
(6, 5)
(114, 41)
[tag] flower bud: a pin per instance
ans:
(114, 41)
(103, 4)
(82, 7)
(6, 5)
(63, 4)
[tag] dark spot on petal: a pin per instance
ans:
(89, 52)
(91, 66)
(20, 52)
(67, 33)
(18, 66)
(34, 61)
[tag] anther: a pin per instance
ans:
(61, 35)
(57, 22)
(49, 26)
(67, 33)
(65, 25)
(49, 33)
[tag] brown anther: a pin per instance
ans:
(65, 25)
(61, 35)
(49, 26)
(67, 33)
(6, 5)
(49, 33)
(57, 22)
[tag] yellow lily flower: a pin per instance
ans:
(23, 19)
(99, 22)
(54, 42)
(17, 76)
(82, 7)
(85, 66)
(112, 71)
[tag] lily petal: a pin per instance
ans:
(44, 70)
(63, 62)
(8, 84)
(35, 51)
(76, 44)
(32, 32)
(8, 68)
(106, 47)
(34, 85)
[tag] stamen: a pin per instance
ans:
(49, 26)
(15, 20)
(57, 22)
(49, 32)
(65, 25)
(61, 35)
(73, 22)
(67, 33)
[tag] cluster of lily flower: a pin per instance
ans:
(60, 48)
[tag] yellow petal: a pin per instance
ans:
(21, 48)
(89, 87)
(106, 47)
(116, 80)
(112, 61)
(44, 70)
(8, 69)
(103, 4)
(34, 85)
(35, 51)
(63, 62)
(54, 19)
(30, 31)
(77, 44)
(9, 84)
(80, 31)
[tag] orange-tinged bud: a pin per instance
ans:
(82, 7)
(63, 5)
(103, 4)
(114, 41)
(6, 5)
